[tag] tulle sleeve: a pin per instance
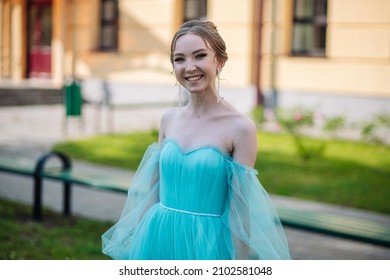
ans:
(143, 192)
(256, 229)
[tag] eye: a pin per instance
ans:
(178, 59)
(201, 55)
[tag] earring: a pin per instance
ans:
(177, 84)
(218, 83)
(179, 95)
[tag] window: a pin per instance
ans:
(109, 25)
(195, 9)
(309, 27)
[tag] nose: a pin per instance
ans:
(190, 67)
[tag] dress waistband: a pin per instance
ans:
(189, 212)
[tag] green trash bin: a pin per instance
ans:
(73, 99)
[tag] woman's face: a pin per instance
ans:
(195, 64)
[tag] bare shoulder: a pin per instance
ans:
(166, 119)
(244, 125)
(169, 114)
(244, 140)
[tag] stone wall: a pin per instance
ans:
(30, 96)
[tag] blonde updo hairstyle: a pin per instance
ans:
(205, 30)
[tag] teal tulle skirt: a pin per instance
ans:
(195, 204)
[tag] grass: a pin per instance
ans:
(123, 151)
(56, 238)
(351, 174)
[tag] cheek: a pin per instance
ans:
(177, 70)
(179, 74)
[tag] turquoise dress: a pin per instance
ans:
(195, 204)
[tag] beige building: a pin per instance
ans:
(328, 54)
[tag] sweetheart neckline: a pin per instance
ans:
(191, 149)
(220, 150)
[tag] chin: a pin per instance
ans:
(197, 90)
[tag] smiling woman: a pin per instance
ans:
(196, 194)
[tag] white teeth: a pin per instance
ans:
(194, 78)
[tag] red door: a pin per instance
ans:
(40, 34)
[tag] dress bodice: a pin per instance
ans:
(193, 180)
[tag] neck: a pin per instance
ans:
(201, 105)
(209, 96)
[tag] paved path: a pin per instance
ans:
(30, 131)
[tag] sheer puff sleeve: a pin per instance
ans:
(253, 222)
(143, 192)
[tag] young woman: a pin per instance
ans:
(196, 194)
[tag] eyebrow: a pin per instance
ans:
(194, 52)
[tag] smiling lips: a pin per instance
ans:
(194, 78)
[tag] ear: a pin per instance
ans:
(221, 64)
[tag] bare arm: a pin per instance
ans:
(165, 120)
(245, 143)
(245, 152)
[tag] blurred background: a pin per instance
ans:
(327, 54)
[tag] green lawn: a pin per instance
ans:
(349, 173)
(56, 238)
